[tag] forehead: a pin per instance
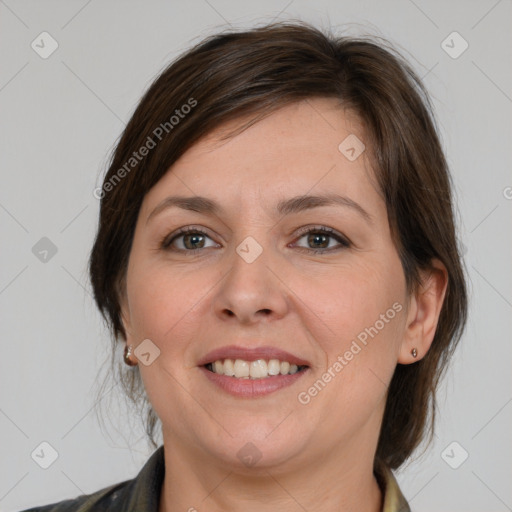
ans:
(310, 124)
(295, 150)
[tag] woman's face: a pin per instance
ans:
(252, 275)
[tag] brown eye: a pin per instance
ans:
(186, 240)
(318, 240)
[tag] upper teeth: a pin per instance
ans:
(258, 369)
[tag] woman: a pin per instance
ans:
(277, 254)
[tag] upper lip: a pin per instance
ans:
(251, 354)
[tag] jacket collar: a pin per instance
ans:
(393, 499)
(142, 494)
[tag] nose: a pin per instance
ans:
(252, 291)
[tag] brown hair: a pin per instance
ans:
(239, 73)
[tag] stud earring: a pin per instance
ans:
(414, 352)
(127, 354)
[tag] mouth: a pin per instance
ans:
(257, 369)
(252, 363)
(252, 372)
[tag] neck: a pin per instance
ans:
(194, 483)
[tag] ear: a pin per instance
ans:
(423, 313)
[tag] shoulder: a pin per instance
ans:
(140, 494)
(98, 501)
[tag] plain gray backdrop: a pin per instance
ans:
(61, 114)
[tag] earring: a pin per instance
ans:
(127, 354)
(414, 352)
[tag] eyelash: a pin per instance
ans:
(344, 243)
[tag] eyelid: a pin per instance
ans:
(168, 239)
(342, 240)
(319, 227)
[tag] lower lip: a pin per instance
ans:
(252, 388)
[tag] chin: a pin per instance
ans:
(255, 447)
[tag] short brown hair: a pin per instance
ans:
(252, 73)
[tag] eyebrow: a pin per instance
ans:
(295, 204)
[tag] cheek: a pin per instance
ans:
(344, 301)
(170, 306)
(156, 301)
(361, 310)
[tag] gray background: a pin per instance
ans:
(59, 119)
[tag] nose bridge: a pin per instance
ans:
(250, 263)
(250, 286)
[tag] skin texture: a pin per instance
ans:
(318, 455)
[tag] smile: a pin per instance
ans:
(247, 384)
(259, 369)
